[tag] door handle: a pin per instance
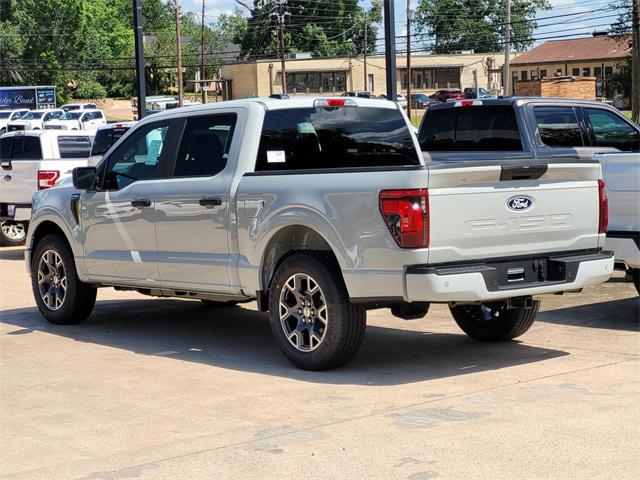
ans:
(141, 203)
(206, 202)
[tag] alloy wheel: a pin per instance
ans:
(304, 315)
(52, 280)
(14, 231)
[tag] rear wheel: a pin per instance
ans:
(60, 296)
(12, 233)
(493, 321)
(311, 316)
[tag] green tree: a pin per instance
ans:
(323, 27)
(11, 48)
(452, 25)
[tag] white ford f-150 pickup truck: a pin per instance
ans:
(34, 160)
(319, 208)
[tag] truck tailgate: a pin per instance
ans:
(18, 181)
(481, 211)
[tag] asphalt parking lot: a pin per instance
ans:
(152, 388)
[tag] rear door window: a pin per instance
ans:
(558, 126)
(612, 131)
(471, 129)
(74, 146)
(205, 144)
(329, 138)
(5, 147)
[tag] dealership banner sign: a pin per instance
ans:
(28, 97)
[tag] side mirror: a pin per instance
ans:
(84, 178)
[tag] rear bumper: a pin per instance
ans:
(477, 281)
(625, 247)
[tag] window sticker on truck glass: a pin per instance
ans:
(276, 156)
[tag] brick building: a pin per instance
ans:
(598, 56)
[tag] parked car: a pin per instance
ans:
(78, 120)
(34, 120)
(470, 92)
(7, 116)
(106, 136)
(446, 94)
(70, 107)
(332, 211)
(420, 100)
(359, 93)
(400, 99)
(622, 176)
(34, 160)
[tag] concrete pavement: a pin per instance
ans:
(150, 388)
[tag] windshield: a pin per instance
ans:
(105, 138)
(71, 116)
(5, 114)
(32, 115)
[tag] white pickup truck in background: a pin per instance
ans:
(622, 175)
(34, 160)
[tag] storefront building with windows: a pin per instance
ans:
(334, 76)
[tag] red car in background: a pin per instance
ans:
(445, 94)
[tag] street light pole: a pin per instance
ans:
(203, 74)
(139, 46)
(390, 50)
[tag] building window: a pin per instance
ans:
(370, 86)
(597, 72)
(543, 73)
(575, 72)
(558, 72)
(524, 75)
(608, 72)
(586, 72)
(534, 74)
(423, 78)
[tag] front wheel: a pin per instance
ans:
(12, 233)
(311, 316)
(493, 321)
(60, 295)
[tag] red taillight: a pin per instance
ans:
(604, 207)
(47, 178)
(406, 213)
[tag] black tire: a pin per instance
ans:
(493, 321)
(12, 233)
(78, 299)
(342, 330)
(635, 274)
(214, 304)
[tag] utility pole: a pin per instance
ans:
(635, 62)
(409, 20)
(139, 46)
(390, 50)
(507, 47)
(203, 74)
(280, 16)
(179, 53)
(364, 56)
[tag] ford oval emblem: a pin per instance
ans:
(520, 203)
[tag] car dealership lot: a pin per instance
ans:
(152, 388)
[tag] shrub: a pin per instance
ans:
(90, 89)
